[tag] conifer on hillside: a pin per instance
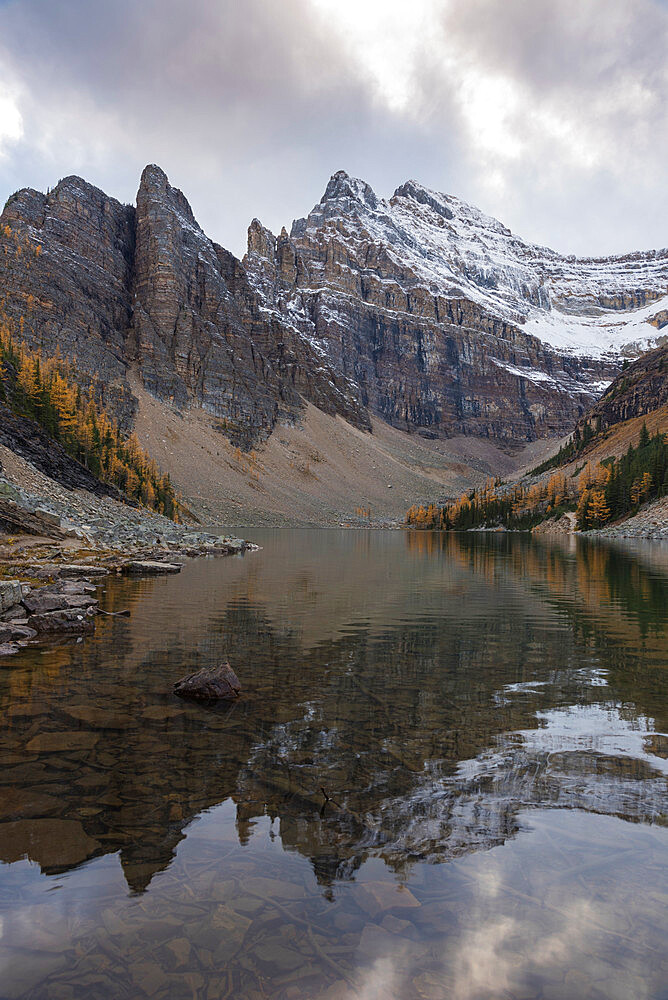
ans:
(45, 389)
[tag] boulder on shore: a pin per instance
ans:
(40, 601)
(209, 684)
(17, 520)
(11, 593)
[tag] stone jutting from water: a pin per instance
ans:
(150, 567)
(210, 684)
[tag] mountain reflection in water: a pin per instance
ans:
(448, 692)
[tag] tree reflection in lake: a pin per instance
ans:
(448, 692)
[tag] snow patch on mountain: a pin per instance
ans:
(595, 336)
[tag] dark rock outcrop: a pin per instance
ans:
(26, 438)
(72, 621)
(640, 389)
(210, 684)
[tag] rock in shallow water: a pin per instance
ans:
(150, 568)
(51, 843)
(72, 620)
(209, 684)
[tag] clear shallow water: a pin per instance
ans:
(487, 715)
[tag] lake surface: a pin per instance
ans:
(447, 778)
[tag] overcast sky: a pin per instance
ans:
(551, 115)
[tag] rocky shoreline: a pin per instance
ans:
(651, 522)
(55, 551)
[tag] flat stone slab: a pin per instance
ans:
(64, 571)
(61, 742)
(81, 570)
(20, 803)
(39, 602)
(274, 888)
(101, 718)
(68, 620)
(151, 568)
(76, 587)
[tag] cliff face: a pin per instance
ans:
(420, 310)
(200, 333)
(195, 331)
(65, 277)
(446, 321)
(640, 389)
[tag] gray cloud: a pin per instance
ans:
(549, 115)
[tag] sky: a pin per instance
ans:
(551, 115)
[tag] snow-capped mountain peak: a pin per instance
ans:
(591, 307)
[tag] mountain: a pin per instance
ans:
(420, 312)
(145, 290)
(611, 473)
(445, 320)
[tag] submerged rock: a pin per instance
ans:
(51, 843)
(209, 684)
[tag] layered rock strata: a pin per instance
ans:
(420, 310)
(641, 388)
(446, 321)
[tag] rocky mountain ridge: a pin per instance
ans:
(640, 389)
(420, 310)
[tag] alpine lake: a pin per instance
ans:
(446, 778)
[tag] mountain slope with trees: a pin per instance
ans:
(615, 461)
(41, 390)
